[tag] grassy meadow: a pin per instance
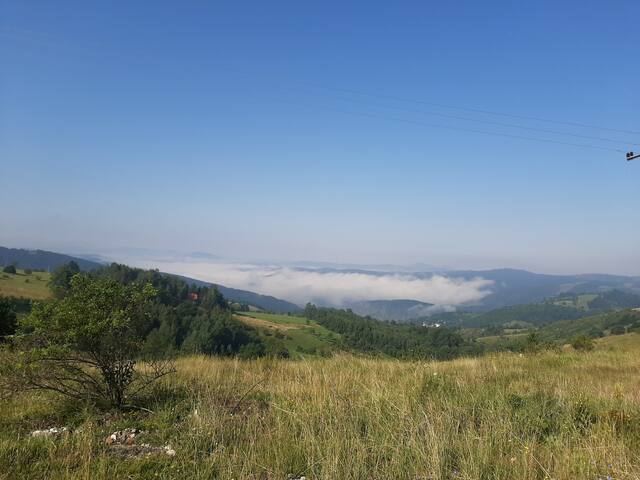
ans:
(550, 415)
(22, 285)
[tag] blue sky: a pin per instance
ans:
(288, 131)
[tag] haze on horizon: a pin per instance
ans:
(283, 133)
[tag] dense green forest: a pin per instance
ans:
(187, 318)
(367, 335)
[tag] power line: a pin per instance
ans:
(449, 127)
(501, 124)
(314, 85)
(467, 109)
(470, 119)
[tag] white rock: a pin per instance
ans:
(50, 432)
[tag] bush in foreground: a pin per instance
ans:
(85, 345)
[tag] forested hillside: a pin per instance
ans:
(563, 307)
(188, 318)
(612, 323)
(516, 287)
(398, 310)
(396, 340)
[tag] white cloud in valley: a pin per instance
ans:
(335, 288)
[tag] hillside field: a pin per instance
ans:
(21, 285)
(561, 416)
(298, 335)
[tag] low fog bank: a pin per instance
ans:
(329, 287)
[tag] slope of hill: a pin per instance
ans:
(515, 287)
(398, 310)
(34, 286)
(41, 259)
(563, 307)
(618, 322)
(292, 336)
(534, 314)
(263, 302)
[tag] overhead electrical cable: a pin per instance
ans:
(468, 109)
(398, 98)
(450, 127)
(501, 124)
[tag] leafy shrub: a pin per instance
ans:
(10, 269)
(582, 343)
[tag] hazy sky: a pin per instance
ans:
(298, 131)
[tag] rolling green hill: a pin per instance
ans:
(565, 307)
(593, 326)
(601, 327)
(293, 334)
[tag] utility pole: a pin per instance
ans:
(632, 156)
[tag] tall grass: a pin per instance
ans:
(551, 415)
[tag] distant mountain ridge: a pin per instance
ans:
(42, 259)
(515, 287)
(561, 308)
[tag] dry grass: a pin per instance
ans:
(552, 415)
